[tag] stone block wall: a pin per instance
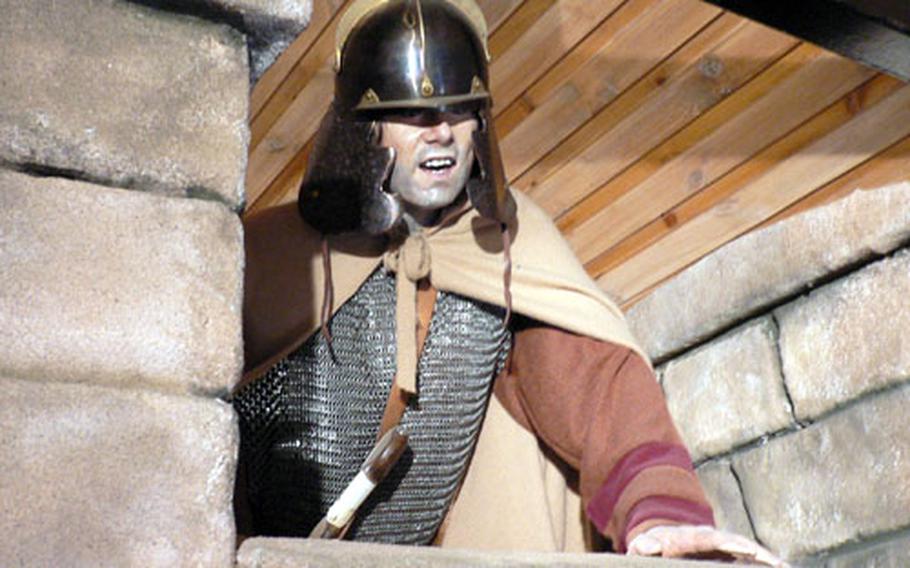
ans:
(123, 143)
(786, 364)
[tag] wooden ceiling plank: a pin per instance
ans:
(633, 41)
(820, 125)
(286, 64)
(593, 46)
(553, 34)
(519, 22)
(320, 55)
(497, 12)
(867, 134)
(687, 137)
(298, 124)
(287, 183)
(507, 120)
(719, 71)
(627, 102)
(828, 77)
(889, 167)
(559, 75)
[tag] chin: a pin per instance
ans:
(431, 198)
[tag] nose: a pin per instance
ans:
(439, 133)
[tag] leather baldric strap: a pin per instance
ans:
(398, 398)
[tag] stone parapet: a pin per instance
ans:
(766, 267)
(124, 95)
(117, 287)
(840, 480)
(108, 477)
(301, 553)
(848, 338)
(728, 392)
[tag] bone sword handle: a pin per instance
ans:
(380, 461)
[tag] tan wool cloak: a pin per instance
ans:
(509, 475)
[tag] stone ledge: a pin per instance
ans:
(744, 276)
(118, 287)
(304, 553)
(271, 25)
(126, 96)
(728, 392)
(840, 480)
(105, 477)
(848, 338)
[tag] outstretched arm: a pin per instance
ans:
(599, 407)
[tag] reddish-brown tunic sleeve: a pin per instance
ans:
(599, 407)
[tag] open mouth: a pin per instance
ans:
(438, 165)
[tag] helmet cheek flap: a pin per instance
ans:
(489, 191)
(343, 187)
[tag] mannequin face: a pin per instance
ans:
(434, 153)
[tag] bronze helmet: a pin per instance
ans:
(393, 55)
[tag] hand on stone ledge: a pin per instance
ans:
(672, 541)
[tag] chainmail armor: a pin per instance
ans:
(307, 425)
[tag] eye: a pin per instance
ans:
(415, 117)
(456, 117)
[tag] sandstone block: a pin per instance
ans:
(270, 24)
(111, 286)
(125, 95)
(729, 391)
(848, 337)
(303, 553)
(839, 480)
(725, 497)
(759, 269)
(95, 476)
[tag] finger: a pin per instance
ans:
(644, 545)
(686, 540)
(682, 541)
(746, 549)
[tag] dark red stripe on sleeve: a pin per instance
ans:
(668, 508)
(600, 509)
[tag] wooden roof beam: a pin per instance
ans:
(836, 25)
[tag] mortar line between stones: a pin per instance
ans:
(52, 172)
(870, 542)
(748, 445)
(775, 326)
(903, 383)
(742, 496)
(42, 171)
(154, 388)
(762, 440)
